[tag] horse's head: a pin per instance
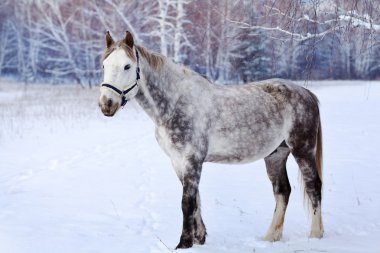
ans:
(121, 74)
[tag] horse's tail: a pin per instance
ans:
(319, 152)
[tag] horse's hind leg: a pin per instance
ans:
(305, 155)
(313, 188)
(276, 169)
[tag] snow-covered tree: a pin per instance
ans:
(227, 41)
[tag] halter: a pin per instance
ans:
(132, 85)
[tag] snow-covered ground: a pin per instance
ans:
(74, 181)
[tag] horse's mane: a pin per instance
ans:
(154, 60)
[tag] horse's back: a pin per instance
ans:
(253, 119)
(285, 91)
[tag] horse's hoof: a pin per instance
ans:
(185, 244)
(316, 234)
(273, 237)
(200, 239)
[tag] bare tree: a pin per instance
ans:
(8, 40)
(181, 40)
(228, 41)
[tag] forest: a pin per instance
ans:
(239, 41)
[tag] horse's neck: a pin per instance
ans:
(159, 90)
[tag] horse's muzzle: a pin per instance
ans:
(108, 106)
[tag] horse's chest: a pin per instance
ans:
(175, 150)
(169, 141)
(164, 139)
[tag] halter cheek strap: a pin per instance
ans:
(123, 93)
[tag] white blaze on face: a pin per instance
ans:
(116, 74)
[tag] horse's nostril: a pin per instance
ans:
(109, 102)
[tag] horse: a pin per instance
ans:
(197, 121)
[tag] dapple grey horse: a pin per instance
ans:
(197, 121)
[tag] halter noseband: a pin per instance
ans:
(126, 91)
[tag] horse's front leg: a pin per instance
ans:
(200, 228)
(190, 173)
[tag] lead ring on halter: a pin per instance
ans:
(126, 91)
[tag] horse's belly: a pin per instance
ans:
(232, 149)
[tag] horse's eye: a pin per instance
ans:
(126, 67)
(103, 66)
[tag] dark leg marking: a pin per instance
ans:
(189, 202)
(276, 169)
(313, 184)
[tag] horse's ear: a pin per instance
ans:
(109, 40)
(129, 39)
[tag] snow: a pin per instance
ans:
(72, 180)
